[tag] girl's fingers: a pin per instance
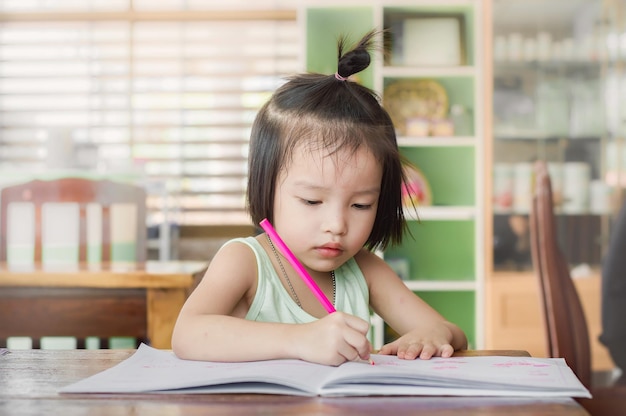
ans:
(447, 350)
(428, 352)
(356, 323)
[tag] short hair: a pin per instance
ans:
(333, 113)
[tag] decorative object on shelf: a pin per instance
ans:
(425, 39)
(461, 119)
(546, 47)
(417, 190)
(576, 179)
(417, 127)
(523, 185)
(411, 100)
(503, 187)
(599, 197)
(441, 127)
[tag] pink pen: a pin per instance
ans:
(265, 224)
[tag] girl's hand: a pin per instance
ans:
(423, 343)
(333, 340)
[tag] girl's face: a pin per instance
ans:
(325, 206)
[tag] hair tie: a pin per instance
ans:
(339, 77)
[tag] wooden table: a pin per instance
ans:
(166, 286)
(30, 379)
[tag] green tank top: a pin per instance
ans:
(272, 303)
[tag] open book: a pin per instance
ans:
(160, 371)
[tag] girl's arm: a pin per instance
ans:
(423, 331)
(211, 325)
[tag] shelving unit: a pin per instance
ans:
(446, 253)
(554, 101)
(559, 60)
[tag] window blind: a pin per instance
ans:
(165, 98)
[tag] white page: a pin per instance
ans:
(152, 370)
(486, 373)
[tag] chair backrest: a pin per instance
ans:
(72, 220)
(65, 222)
(564, 319)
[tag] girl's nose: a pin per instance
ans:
(336, 224)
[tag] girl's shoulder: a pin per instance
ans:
(366, 257)
(237, 253)
(244, 243)
(372, 265)
(231, 276)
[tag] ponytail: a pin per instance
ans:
(355, 60)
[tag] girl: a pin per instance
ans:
(324, 168)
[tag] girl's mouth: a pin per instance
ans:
(331, 251)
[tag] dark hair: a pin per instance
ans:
(332, 113)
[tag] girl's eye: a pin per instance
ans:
(310, 202)
(362, 206)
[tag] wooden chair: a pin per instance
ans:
(66, 222)
(91, 221)
(564, 320)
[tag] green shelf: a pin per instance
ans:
(438, 250)
(442, 251)
(450, 171)
(455, 306)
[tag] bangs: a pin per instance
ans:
(309, 133)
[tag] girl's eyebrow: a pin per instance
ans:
(309, 185)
